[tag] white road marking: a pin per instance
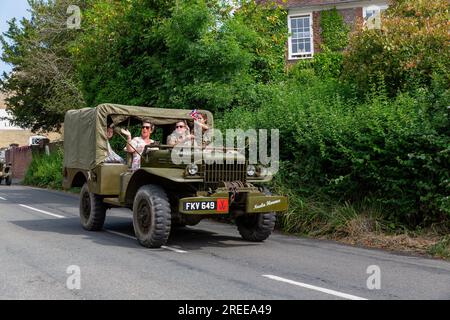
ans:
(311, 287)
(109, 231)
(42, 211)
(134, 238)
(173, 249)
(121, 234)
(1, 198)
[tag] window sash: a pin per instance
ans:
(300, 40)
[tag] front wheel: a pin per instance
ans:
(92, 210)
(151, 216)
(8, 180)
(256, 227)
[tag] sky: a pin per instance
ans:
(11, 9)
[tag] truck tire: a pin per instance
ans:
(151, 216)
(1, 179)
(92, 210)
(8, 180)
(256, 227)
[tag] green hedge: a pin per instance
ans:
(394, 153)
(46, 170)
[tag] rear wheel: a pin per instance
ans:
(151, 216)
(92, 210)
(1, 179)
(8, 180)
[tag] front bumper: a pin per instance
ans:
(220, 204)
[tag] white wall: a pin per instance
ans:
(4, 124)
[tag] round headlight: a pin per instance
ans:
(251, 170)
(192, 169)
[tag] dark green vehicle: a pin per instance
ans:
(5, 169)
(163, 194)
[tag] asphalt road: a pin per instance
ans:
(41, 237)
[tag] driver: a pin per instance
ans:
(138, 143)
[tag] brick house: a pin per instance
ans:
(304, 21)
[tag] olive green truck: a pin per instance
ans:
(161, 193)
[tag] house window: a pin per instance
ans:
(301, 37)
(371, 11)
(372, 16)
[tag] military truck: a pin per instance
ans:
(161, 193)
(5, 169)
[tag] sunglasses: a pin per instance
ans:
(180, 127)
(146, 127)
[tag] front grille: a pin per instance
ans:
(215, 173)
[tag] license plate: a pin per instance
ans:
(219, 205)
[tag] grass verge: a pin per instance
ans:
(362, 224)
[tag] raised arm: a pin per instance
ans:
(127, 134)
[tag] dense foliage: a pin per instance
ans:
(334, 30)
(328, 62)
(178, 54)
(46, 170)
(393, 152)
(410, 50)
(43, 81)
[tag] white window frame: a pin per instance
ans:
(377, 8)
(305, 55)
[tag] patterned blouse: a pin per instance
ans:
(139, 144)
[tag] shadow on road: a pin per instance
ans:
(71, 227)
(117, 220)
(186, 238)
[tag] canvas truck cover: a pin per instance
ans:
(85, 141)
